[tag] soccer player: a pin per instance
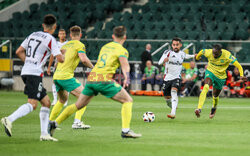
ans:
(60, 43)
(111, 56)
(215, 75)
(173, 60)
(38, 47)
(64, 76)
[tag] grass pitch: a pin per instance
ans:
(227, 134)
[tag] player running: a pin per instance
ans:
(215, 75)
(60, 43)
(38, 47)
(64, 76)
(173, 60)
(111, 56)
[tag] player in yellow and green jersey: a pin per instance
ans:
(218, 61)
(64, 80)
(111, 56)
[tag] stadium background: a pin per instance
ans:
(197, 22)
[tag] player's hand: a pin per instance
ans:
(126, 83)
(63, 51)
(166, 60)
(49, 71)
(243, 78)
(195, 57)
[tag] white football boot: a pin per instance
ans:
(80, 125)
(7, 126)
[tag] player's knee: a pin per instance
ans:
(34, 105)
(167, 97)
(206, 87)
(62, 100)
(128, 99)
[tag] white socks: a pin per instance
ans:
(44, 120)
(54, 92)
(20, 112)
(125, 130)
(174, 101)
(77, 120)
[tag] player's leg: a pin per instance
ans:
(203, 95)
(78, 124)
(44, 119)
(166, 87)
(216, 93)
(174, 101)
(82, 101)
(66, 103)
(54, 92)
(219, 83)
(30, 89)
(63, 97)
(23, 110)
(126, 113)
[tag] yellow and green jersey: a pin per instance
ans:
(218, 65)
(66, 69)
(108, 62)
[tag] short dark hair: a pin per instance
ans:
(176, 39)
(75, 30)
(217, 47)
(119, 31)
(61, 30)
(49, 20)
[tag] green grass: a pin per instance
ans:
(227, 134)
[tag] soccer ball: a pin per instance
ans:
(148, 117)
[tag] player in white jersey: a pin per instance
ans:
(62, 41)
(34, 51)
(173, 60)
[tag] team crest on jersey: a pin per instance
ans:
(222, 61)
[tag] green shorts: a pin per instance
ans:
(108, 89)
(217, 83)
(68, 84)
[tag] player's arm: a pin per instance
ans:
(198, 56)
(164, 58)
(237, 65)
(60, 58)
(20, 52)
(125, 70)
(51, 59)
(187, 56)
(85, 60)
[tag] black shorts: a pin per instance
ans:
(34, 87)
(167, 85)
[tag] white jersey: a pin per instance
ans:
(61, 44)
(39, 46)
(173, 67)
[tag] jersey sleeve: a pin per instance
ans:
(231, 58)
(123, 53)
(25, 43)
(165, 55)
(187, 56)
(54, 47)
(81, 48)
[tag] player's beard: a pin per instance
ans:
(176, 50)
